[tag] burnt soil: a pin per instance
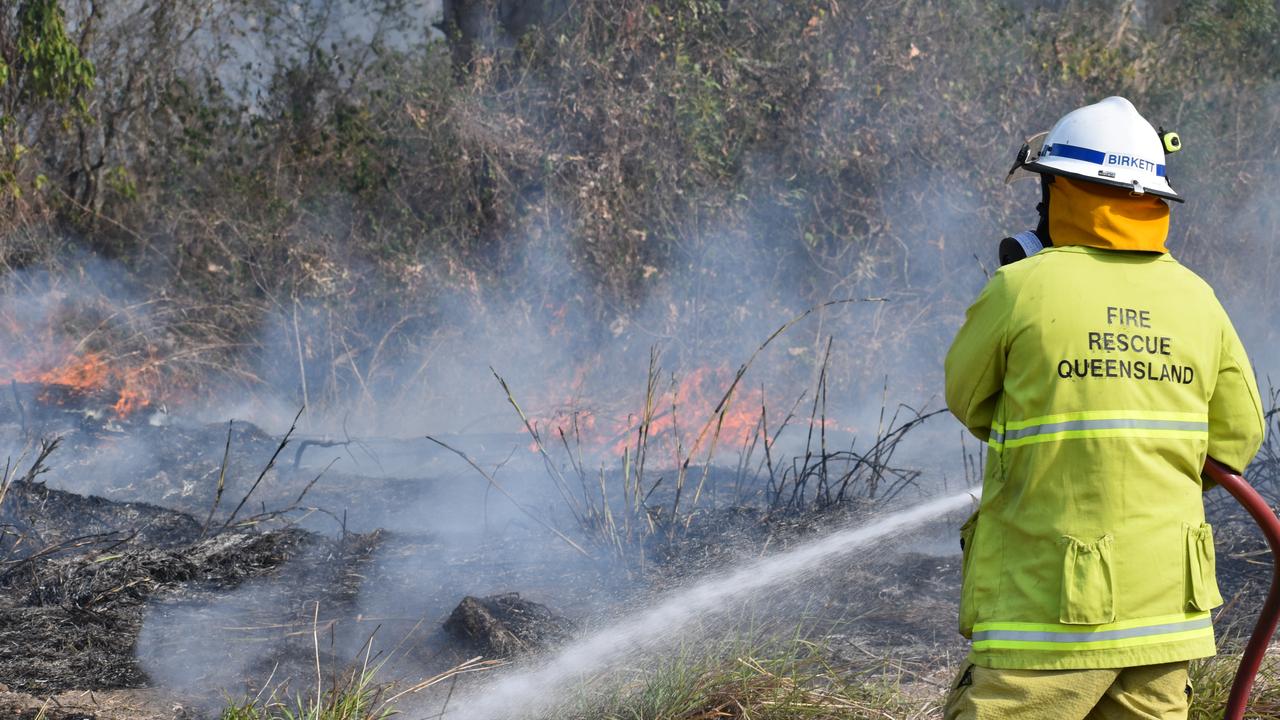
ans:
(81, 574)
(71, 610)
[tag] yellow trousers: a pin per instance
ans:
(1148, 692)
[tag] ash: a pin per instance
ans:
(143, 579)
(82, 571)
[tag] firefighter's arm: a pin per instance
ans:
(1236, 421)
(976, 361)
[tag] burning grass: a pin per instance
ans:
(670, 476)
(67, 342)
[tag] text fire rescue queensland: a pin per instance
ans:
(1124, 334)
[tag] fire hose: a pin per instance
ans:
(1251, 661)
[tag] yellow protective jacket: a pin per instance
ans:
(1100, 379)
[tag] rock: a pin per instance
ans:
(505, 625)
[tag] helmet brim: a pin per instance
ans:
(1165, 192)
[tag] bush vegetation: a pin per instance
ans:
(340, 179)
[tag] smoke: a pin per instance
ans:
(196, 645)
(375, 379)
(525, 694)
(1228, 236)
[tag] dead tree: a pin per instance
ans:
(472, 25)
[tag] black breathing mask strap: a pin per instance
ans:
(1042, 227)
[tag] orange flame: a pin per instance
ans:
(90, 374)
(87, 373)
(135, 391)
(686, 417)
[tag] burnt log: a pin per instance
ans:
(506, 625)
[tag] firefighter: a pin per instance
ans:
(1100, 372)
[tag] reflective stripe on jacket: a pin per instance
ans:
(1099, 379)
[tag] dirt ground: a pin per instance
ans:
(134, 704)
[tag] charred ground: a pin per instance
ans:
(82, 575)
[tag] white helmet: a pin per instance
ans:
(1109, 143)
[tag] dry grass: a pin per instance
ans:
(683, 689)
(739, 679)
(358, 694)
(1211, 679)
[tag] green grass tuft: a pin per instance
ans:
(361, 698)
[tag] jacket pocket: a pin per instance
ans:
(1088, 582)
(968, 608)
(1201, 581)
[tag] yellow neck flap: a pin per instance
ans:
(1085, 213)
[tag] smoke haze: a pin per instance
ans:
(360, 223)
